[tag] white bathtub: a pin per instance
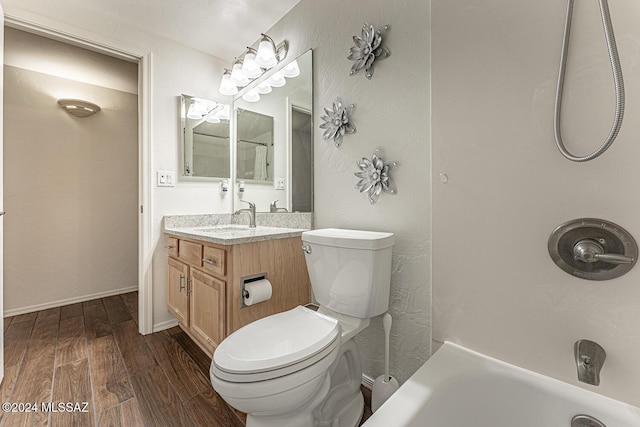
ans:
(457, 387)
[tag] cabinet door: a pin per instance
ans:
(177, 290)
(207, 309)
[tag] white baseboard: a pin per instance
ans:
(165, 325)
(367, 381)
(62, 302)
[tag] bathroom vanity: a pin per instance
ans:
(206, 268)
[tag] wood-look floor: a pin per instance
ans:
(92, 352)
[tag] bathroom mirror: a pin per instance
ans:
(274, 139)
(206, 148)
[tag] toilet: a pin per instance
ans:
(301, 367)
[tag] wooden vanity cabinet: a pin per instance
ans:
(177, 297)
(204, 289)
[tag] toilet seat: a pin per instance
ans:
(276, 345)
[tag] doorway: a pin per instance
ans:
(70, 181)
(143, 60)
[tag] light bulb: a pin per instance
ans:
(251, 96)
(277, 79)
(291, 70)
(237, 77)
(250, 67)
(192, 112)
(266, 56)
(226, 86)
(264, 88)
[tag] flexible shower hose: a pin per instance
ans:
(617, 81)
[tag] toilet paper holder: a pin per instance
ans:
(246, 280)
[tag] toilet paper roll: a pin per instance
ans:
(257, 291)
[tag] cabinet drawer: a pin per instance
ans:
(214, 261)
(172, 246)
(190, 252)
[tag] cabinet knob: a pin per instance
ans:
(181, 285)
(209, 261)
(170, 247)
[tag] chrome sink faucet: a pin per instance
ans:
(251, 210)
(589, 358)
(273, 207)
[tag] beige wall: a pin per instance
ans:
(495, 288)
(392, 112)
(71, 184)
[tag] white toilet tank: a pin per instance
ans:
(350, 270)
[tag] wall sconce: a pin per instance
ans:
(79, 108)
(254, 63)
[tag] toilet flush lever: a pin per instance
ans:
(306, 248)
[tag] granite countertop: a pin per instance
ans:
(223, 229)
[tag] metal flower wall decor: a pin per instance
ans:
(374, 176)
(337, 122)
(367, 49)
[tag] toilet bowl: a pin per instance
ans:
(277, 363)
(301, 367)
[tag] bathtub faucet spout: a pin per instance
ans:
(589, 358)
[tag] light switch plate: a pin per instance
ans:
(166, 179)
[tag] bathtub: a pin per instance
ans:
(458, 387)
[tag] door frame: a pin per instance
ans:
(144, 60)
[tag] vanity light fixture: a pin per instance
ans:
(268, 55)
(226, 85)
(79, 108)
(199, 109)
(238, 78)
(264, 88)
(250, 67)
(277, 79)
(254, 63)
(251, 96)
(192, 112)
(291, 70)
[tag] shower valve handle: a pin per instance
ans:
(614, 258)
(590, 250)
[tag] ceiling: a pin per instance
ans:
(222, 28)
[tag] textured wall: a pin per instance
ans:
(392, 112)
(495, 289)
(71, 184)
